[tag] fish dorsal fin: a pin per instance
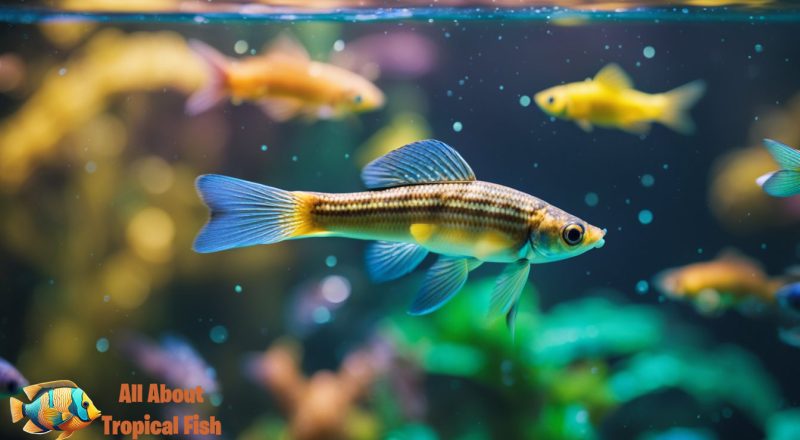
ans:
(786, 157)
(288, 46)
(613, 77)
(33, 390)
(735, 256)
(420, 162)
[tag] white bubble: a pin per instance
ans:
(335, 289)
(338, 45)
(457, 126)
(649, 52)
(240, 47)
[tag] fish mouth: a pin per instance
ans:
(597, 237)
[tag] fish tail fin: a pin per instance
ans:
(214, 90)
(679, 101)
(16, 410)
(245, 214)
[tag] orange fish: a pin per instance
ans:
(284, 82)
(729, 280)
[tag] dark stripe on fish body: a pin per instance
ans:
(472, 206)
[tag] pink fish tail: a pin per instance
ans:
(214, 90)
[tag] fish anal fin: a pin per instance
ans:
(280, 109)
(388, 260)
(443, 280)
(31, 428)
(584, 125)
(639, 128)
(64, 435)
(420, 162)
(613, 77)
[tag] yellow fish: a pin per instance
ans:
(423, 198)
(609, 100)
(285, 82)
(55, 406)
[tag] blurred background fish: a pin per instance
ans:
(729, 280)
(173, 361)
(397, 55)
(609, 100)
(11, 380)
(284, 82)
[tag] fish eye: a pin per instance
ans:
(551, 99)
(358, 99)
(572, 234)
(85, 405)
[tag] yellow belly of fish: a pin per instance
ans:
(473, 219)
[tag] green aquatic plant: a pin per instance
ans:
(571, 367)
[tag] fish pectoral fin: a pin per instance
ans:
(613, 77)
(65, 434)
(443, 280)
(388, 261)
(280, 109)
(31, 428)
(54, 416)
(507, 291)
(420, 162)
(585, 125)
(65, 417)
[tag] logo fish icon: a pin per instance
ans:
(55, 406)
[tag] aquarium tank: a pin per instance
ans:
(400, 219)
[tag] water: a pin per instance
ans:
(99, 283)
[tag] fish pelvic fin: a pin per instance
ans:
(64, 435)
(214, 89)
(679, 101)
(16, 410)
(245, 214)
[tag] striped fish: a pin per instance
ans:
(55, 406)
(423, 198)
